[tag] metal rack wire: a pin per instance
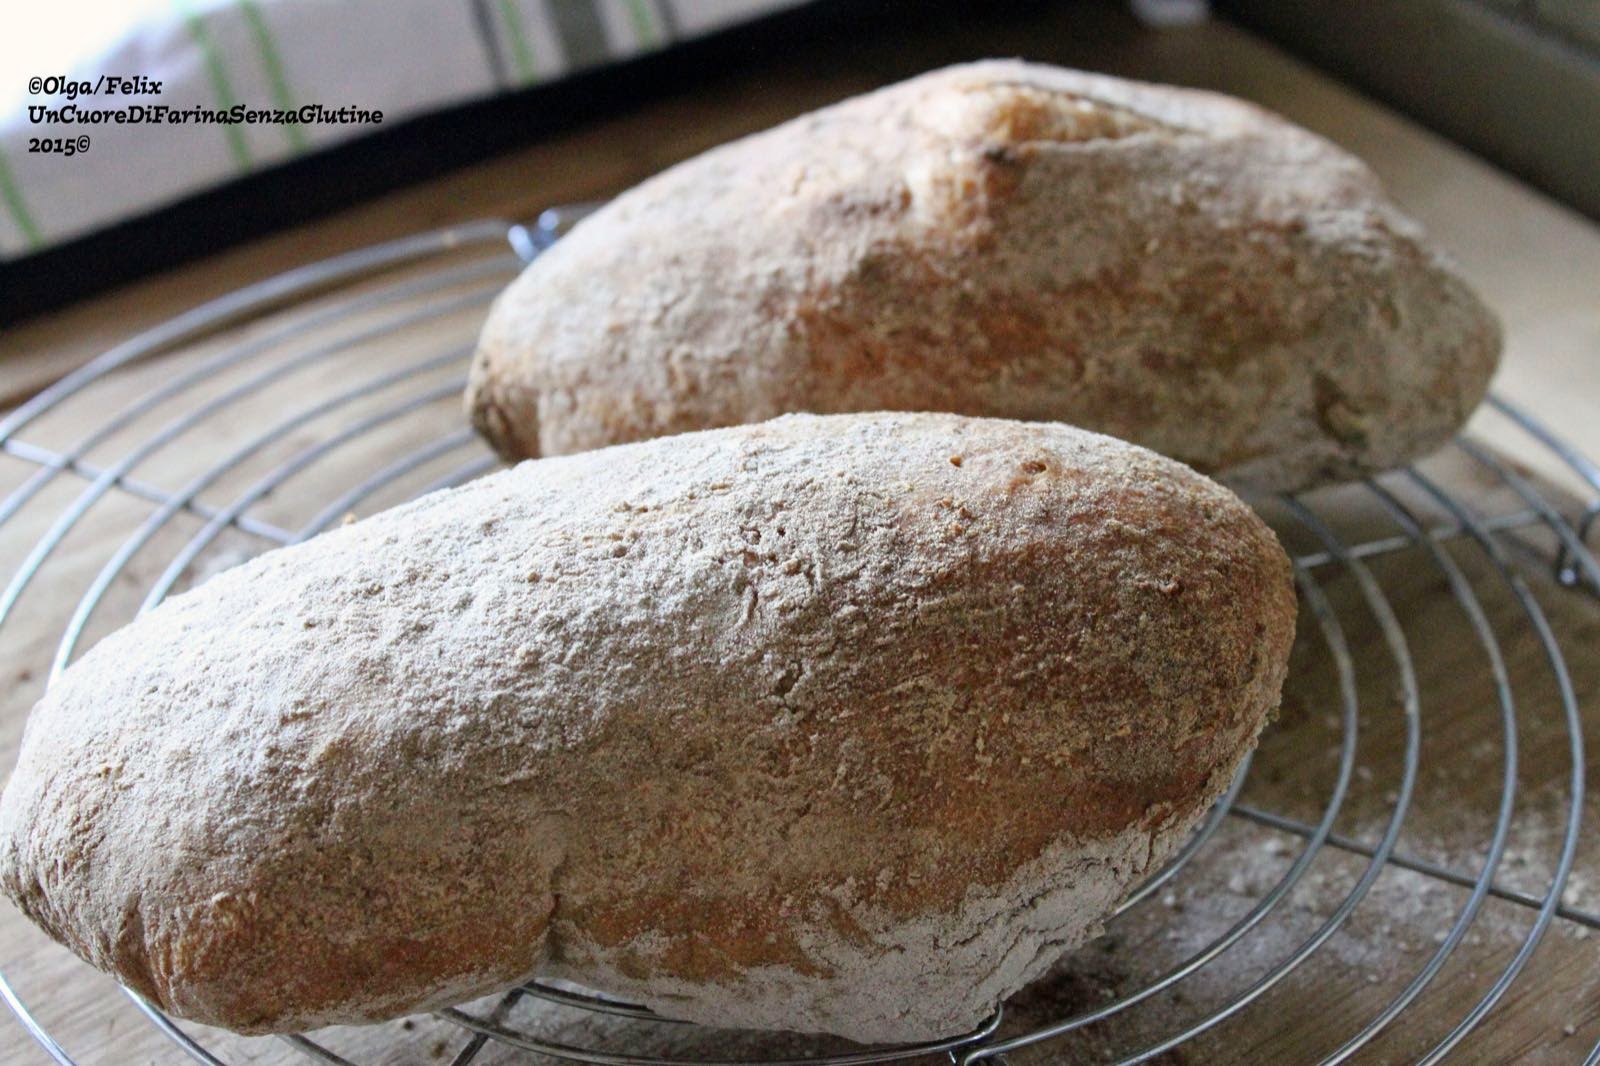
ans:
(451, 274)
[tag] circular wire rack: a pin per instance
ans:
(326, 412)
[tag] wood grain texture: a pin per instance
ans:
(1534, 262)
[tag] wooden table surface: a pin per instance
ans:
(1537, 264)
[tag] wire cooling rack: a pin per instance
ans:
(1412, 882)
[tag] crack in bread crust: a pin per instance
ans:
(1172, 267)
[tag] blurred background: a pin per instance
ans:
(224, 337)
(381, 94)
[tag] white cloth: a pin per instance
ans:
(400, 57)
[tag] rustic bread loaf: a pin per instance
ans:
(844, 724)
(1176, 268)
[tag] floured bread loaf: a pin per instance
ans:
(1176, 268)
(843, 724)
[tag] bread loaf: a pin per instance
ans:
(1176, 268)
(844, 724)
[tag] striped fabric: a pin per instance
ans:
(401, 57)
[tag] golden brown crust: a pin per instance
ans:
(1173, 267)
(792, 724)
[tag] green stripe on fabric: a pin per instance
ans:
(220, 85)
(644, 27)
(521, 54)
(272, 63)
(11, 193)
